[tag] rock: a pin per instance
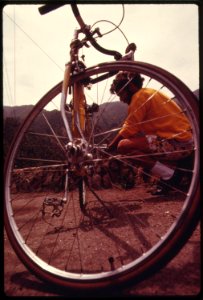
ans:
(96, 181)
(106, 181)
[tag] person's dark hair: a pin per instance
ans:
(124, 78)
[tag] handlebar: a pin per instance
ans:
(84, 28)
(44, 9)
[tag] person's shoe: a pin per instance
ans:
(164, 187)
(161, 190)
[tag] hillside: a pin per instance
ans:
(115, 109)
(112, 116)
(17, 111)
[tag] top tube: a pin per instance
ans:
(84, 28)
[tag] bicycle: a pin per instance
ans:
(89, 230)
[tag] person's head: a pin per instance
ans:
(126, 84)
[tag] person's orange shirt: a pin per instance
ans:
(151, 112)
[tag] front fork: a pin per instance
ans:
(64, 92)
(78, 113)
(75, 148)
(79, 101)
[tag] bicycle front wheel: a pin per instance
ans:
(122, 231)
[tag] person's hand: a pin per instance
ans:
(111, 148)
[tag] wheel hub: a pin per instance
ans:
(77, 151)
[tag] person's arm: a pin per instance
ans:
(113, 145)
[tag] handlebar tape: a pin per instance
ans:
(48, 8)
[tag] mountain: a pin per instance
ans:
(110, 115)
(196, 93)
(19, 112)
(112, 111)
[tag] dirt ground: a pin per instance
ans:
(181, 277)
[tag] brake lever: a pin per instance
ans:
(130, 50)
(131, 47)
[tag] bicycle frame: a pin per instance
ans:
(79, 105)
(78, 114)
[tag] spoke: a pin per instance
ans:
(47, 135)
(149, 80)
(52, 130)
(100, 200)
(158, 118)
(39, 159)
(34, 218)
(58, 234)
(98, 117)
(76, 237)
(104, 90)
(107, 132)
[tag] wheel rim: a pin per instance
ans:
(104, 270)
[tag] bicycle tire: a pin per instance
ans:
(168, 245)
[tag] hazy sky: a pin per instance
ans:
(35, 47)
